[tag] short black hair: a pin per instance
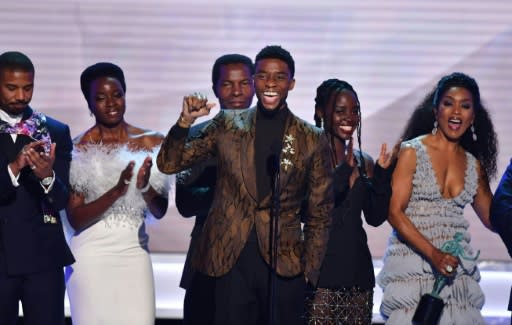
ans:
(230, 59)
(277, 52)
(14, 60)
(98, 70)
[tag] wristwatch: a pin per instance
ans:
(47, 181)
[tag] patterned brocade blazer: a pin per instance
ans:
(305, 173)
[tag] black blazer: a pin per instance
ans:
(501, 213)
(28, 244)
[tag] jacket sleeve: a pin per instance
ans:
(195, 188)
(8, 189)
(501, 209)
(378, 194)
(58, 196)
(178, 152)
(320, 202)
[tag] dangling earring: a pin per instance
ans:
(434, 130)
(473, 132)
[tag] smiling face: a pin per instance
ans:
(16, 88)
(342, 115)
(455, 112)
(272, 81)
(107, 101)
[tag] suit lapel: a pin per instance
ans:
(290, 130)
(247, 153)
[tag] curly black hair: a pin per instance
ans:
(485, 148)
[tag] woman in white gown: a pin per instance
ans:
(114, 188)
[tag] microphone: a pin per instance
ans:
(273, 159)
(273, 172)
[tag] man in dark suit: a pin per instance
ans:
(501, 214)
(251, 146)
(35, 156)
(232, 85)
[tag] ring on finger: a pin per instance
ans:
(449, 268)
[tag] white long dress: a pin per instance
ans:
(111, 281)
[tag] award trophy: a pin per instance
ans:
(431, 305)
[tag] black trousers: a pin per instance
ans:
(41, 295)
(199, 302)
(242, 296)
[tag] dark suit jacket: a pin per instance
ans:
(501, 212)
(230, 138)
(27, 243)
(194, 197)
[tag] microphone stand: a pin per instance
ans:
(274, 230)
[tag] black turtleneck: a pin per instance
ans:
(270, 126)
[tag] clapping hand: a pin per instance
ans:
(125, 178)
(144, 173)
(34, 155)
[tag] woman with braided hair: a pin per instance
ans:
(345, 289)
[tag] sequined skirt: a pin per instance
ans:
(347, 306)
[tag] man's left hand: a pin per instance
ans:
(39, 161)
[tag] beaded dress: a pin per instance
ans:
(111, 281)
(406, 275)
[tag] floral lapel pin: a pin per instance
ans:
(288, 152)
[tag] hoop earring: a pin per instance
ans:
(434, 130)
(473, 132)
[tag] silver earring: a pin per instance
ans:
(434, 130)
(473, 132)
(90, 113)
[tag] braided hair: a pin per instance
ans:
(326, 95)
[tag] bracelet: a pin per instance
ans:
(184, 123)
(145, 188)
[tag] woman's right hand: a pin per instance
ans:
(349, 155)
(386, 158)
(444, 262)
(125, 179)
